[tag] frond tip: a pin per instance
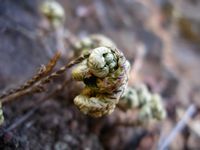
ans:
(150, 105)
(105, 75)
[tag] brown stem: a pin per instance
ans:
(43, 71)
(38, 86)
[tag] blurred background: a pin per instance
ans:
(168, 31)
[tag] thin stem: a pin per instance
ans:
(38, 85)
(43, 71)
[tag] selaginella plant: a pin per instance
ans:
(104, 70)
(105, 75)
(149, 104)
(91, 42)
(53, 11)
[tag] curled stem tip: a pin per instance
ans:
(148, 104)
(105, 74)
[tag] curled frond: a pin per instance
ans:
(91, 42)
(150, 105)
(53, 11)
(105, 75)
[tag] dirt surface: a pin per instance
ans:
(170, 67)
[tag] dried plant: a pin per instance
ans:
(30, 85)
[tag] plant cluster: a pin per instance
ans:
(104, 70)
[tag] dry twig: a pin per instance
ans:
(36, 84)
